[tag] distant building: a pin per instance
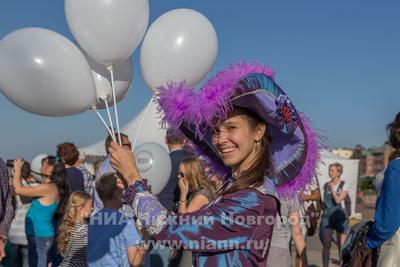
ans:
(343, 152)
(374, 159)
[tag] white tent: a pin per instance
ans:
(350, 174)
(150, 132)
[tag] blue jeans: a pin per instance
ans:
(38, 248)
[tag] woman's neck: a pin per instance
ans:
(335, 180)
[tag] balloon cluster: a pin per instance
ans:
(44, 73)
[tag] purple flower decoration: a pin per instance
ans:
(286, 114)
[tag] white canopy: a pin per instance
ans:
(150, 131)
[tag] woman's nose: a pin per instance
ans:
(222, 137)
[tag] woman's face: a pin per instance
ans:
(334, 172)
(46, 168)
(182, 172)
(235, 141)
(86, 210)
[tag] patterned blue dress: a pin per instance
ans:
(233, 230)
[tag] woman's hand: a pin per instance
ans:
(183, 187)
(122, 161)
(303, 196)
(18, 163)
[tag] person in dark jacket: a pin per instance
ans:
(169, 196)
(69, 155)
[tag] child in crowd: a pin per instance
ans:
(72, 237)
(113, 239)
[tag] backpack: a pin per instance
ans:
(347, 200)
(312, 216)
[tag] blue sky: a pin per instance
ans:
(339, 61)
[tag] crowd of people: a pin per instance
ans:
(241, 191)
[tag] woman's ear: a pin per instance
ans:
(260, 131)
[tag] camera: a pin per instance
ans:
(26, 168)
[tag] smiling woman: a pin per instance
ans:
(230, 122)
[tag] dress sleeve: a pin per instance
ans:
(236, 220)
(387, 219)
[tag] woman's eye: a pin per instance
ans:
(215, 132)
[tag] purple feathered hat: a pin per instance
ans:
(294, 148)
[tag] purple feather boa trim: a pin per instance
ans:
(179, 103)
(174, 103)
(309, 169)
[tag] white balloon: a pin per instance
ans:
(154, 164)
(109, 30)
(180, 45)
(44, 73)
(36, 164)
(123, 75)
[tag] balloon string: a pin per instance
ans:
(109, 117)
(110, 69)
(141, 123)
(103, 121)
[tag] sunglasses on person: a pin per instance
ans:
(128, 145)
(181, 174)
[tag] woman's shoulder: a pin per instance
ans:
(80, 229)
(393, 168)
(44, 186)
(254, 194)
(80, 226)
(203, 192)
(394, 163)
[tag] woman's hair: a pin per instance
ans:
(77, 200)
(395, 154)
(261, 166)
(68, 153)
(196, 175)
(97, 165)
(60, 179)
(393, 130)
(338, 166)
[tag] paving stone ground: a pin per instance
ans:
(314, 246)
